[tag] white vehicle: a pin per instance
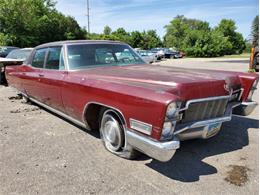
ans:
(15, 57)
(147, 56)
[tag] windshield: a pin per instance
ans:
(92, 55)
(19, 54)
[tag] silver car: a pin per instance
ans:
(147, 56)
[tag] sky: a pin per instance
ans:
(155, 14)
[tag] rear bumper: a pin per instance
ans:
(245, 108)
(162, 151)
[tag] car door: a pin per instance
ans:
(52, 78)
(32, 74)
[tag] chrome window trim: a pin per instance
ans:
(93, 67)
(63, 50)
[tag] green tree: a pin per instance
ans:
(107, 30)
(136, 39)
(248, 46)
(228, 29)
(255, 31)
(150, 40)
(179, 28)
(122, 35)
(32, 22)
(196, 38)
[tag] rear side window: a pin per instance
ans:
(55, 59)
(39, 57)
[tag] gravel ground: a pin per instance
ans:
(41, 153)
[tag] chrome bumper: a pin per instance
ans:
(245, 108)
(162, 151)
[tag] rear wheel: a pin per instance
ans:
(113, 136)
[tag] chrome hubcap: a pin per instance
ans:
(111, 133)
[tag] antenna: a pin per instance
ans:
(88, 16)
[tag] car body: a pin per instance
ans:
(147, 56)
(5, 50)
(136, 106)
(15, 56)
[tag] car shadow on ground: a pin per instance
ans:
(187, 164)
(94, 133)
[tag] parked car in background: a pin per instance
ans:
(159, 52)
(16, 56)
(171, 54)
(182, 54)
(21, 54)
(5, 50)
(147, 56)
(106, 86)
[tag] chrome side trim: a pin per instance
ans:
(59, 113)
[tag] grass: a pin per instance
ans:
(243, 55)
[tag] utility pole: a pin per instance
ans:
(88, 16)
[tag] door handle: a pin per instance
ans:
(41, 75)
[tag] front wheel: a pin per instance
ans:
(113, 136)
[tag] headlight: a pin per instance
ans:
(172, 110)
(167, 129)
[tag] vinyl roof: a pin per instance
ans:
(59, 43)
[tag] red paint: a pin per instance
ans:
(141, 92)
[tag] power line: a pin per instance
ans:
(88, 16)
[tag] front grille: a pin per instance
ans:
(204, 110)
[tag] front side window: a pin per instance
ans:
(54, 60)
(39, 57)
(82, 56)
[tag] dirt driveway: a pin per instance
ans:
(41, 153)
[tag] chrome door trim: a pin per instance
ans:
(75, 121)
